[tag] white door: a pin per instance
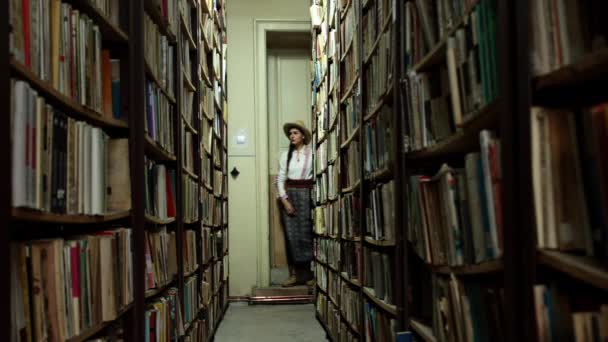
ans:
(288, 101)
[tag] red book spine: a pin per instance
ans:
(71, 61)
(496, 184)
(170, 203)
(153, 326)
(26, 32)
(75, 254)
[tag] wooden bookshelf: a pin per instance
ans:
(352, 188)
(159, 221)
(487, 267)
(90, 332)
(349, 89)
(56, 98)
(353, 282)
(350, 326)
(583, 268)
(464, 140)
(586, 69)
(352, 137)
(385, 27)
(424, 331)
(155, 13)
(33, 216)
(391, 309)
(188, 126)
(151, 293)
(154, 150)
(150, 74)
(190, 173)
(380, 243)
(385, 173)
(186, 30)
(126, 42)
(187, 82)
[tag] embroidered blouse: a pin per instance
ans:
(300, 167)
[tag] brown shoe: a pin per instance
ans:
(291, 281)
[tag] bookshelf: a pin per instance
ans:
(149, 151)
(471, 88)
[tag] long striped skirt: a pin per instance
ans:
(298, 228)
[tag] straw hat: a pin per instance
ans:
(299, 124)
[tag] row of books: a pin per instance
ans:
(427, 23)
(350, 304)
(168, 11)
(213, 208)
(557, 317)
(351, 116)
(333, 285)
(164, 321)
(467, 310)
(188, 104)
(192, 299)
(190, 201)
(327, 251)
(189, 251)
(110, 8)
(352, 163)
(330, 314)
(161, 258)
(208, 244)
(378, 144)
(469, 229)
(375, 17)
(159, 55)
(198, 331)
(430, 116)
(569, 179)
(564, 31)
(62, 46)
(219, 182)
(321, 276)
(444, 96)
(160, 190)
(326, 219)
(380, 212)
(378, 72)
(472, 61)
(62, 165)
(350, 209)
(207, 102)
(188, 153)
(60, 287)
(321, 154)
(319, 100)
(160, 118)
(326, 186)
(379, 326)
(378, 267)
(351, 260)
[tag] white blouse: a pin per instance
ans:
(300, 167)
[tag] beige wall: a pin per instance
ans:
(243, 207)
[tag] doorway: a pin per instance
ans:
(288, 98)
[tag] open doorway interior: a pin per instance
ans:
(289, 100)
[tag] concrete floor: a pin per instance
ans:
(270, 323)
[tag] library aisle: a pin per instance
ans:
(459, 158)
(270, 323)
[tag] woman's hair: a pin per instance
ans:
(291, 149)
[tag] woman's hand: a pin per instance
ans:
(289, 208)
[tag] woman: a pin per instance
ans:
(294, 183)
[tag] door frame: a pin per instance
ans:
(261, 28)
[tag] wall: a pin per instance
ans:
(243, 208)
